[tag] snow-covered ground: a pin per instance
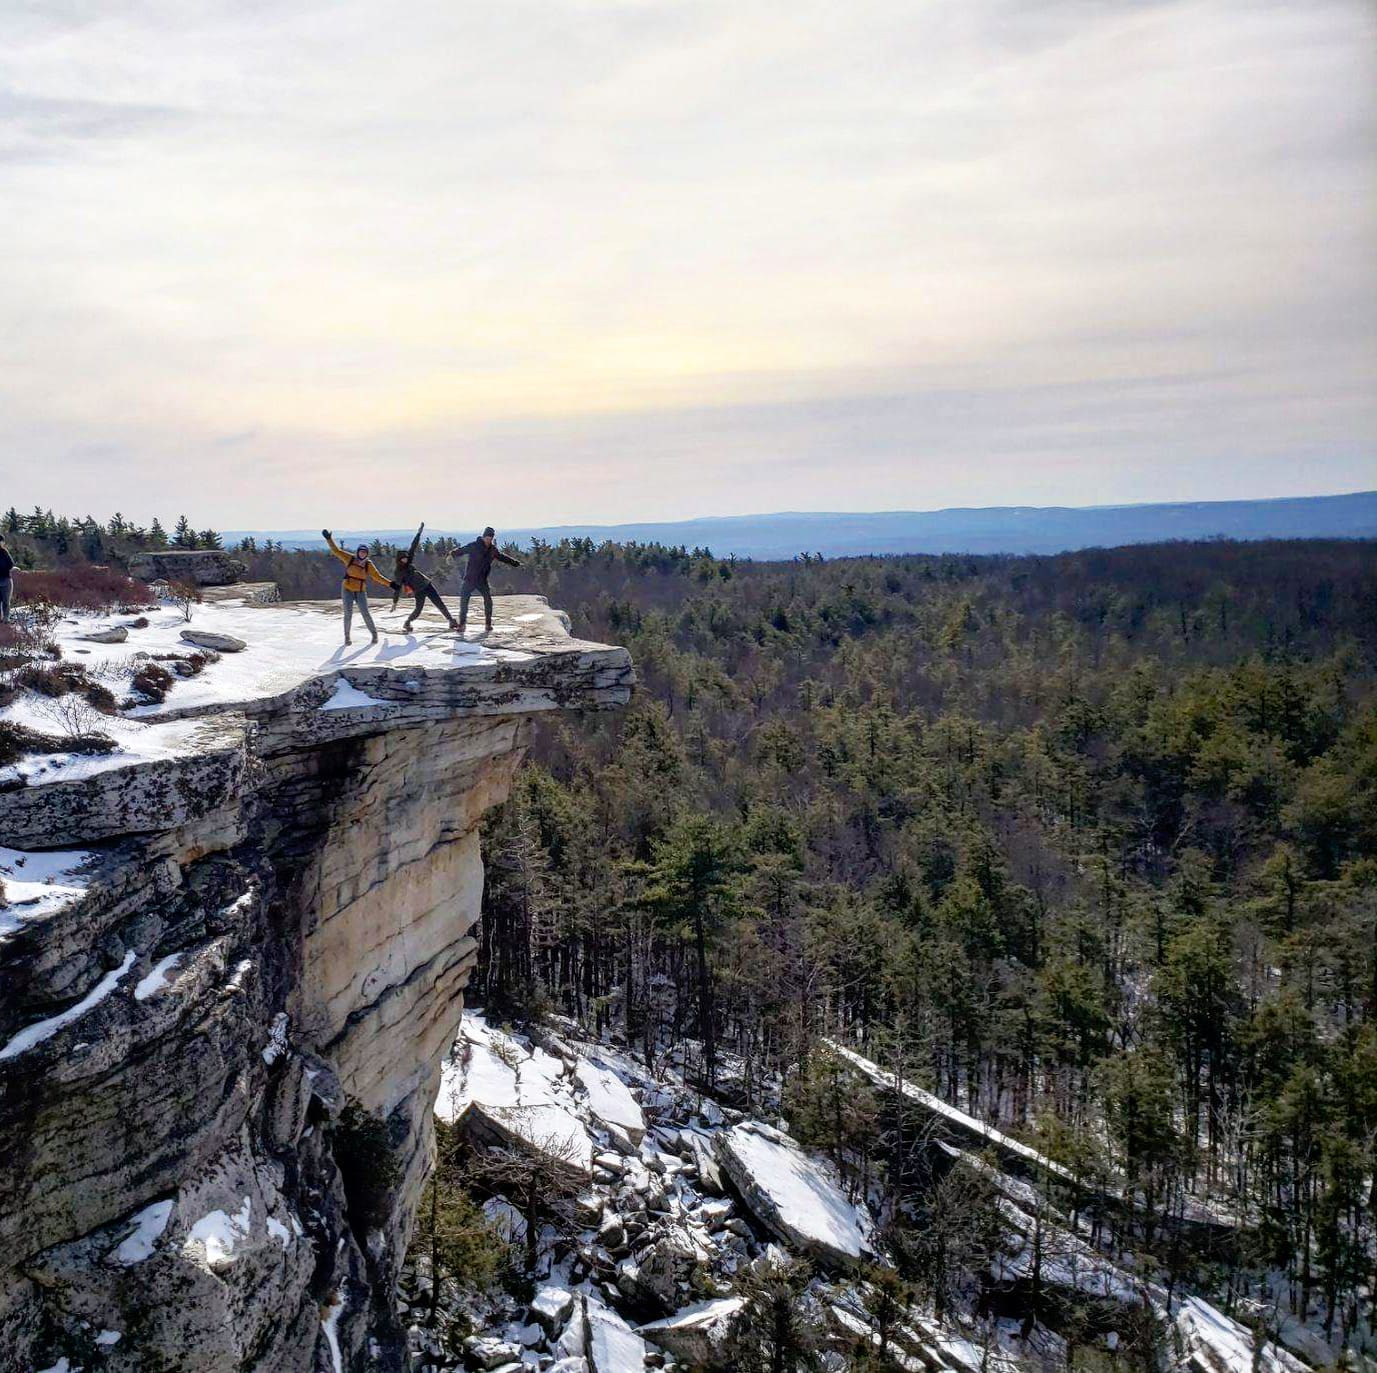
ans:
(287, 645)
(38, 884)
(522, 1090)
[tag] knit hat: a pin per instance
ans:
(489, 532)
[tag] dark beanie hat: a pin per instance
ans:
(489, 532)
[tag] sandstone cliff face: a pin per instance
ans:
(224, 1005)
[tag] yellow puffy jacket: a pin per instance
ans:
(356, 573)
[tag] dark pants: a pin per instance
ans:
(428, 592)
(467, 593)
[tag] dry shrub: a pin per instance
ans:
(17, 741)
(22, 642)
(51, 681)
(152, 681)
(184, 595)
(82, 586)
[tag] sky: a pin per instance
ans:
(283, 264)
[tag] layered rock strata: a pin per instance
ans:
(224, 1004)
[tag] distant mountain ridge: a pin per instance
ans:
(992, 529)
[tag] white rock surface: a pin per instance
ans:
(793, 1194)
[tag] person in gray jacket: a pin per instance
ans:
(481, 553)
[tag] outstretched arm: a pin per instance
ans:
(334, 547)
(375, 575)
(506, 558)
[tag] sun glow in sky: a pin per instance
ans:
(545, 261)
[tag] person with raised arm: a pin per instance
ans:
(412, 579)
(481, 553)
(358, 572)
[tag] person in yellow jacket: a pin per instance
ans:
(358, 572)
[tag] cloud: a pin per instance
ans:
(1000, 246)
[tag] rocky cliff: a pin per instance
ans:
(232, 956)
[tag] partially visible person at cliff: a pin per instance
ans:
(6, 582)
(481, 553)
(358, 572)
(414, 581)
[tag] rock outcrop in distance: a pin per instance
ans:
(233, 948)
(191, 567)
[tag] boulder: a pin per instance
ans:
(220, 643)
(486, 1352)
(115, 635)
(613, 1346)
(551, 1308)
(192, 567)
(793, 1195)
(699, 1151)
(696, 1334)
(610, 1101)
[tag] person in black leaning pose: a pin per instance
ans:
(419, 585)
(481, 553)
(6, 581)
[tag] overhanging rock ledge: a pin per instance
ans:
(230, 966)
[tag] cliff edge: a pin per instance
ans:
(233, 947)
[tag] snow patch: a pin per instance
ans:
(36, 884)
(156, 979)
(219, 1234)
(329, 1326)
(45, 1029)
(149, 1225)
(346, 696)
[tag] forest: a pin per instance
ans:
(1085, 844)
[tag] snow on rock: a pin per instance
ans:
(38, 884)
(965, 1123)
(1222, 1345)
(610, 1100)
(551, 1308)
(157, 977)
(219, 1234)
(346, 696)
(149, 1225)
(36, 1033)
(793, 1194)
(613, 1346)
(496, 1085)
(696, 1333)
(329, 1327)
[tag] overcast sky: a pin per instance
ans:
(282, 264)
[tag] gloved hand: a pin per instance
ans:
(396, 586)
(327, 535)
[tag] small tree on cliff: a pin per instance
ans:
(772, 1332)
(541, 1179)
(451, 1230)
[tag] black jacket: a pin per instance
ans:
(413, 579)
(6, 564)
(481, 558)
